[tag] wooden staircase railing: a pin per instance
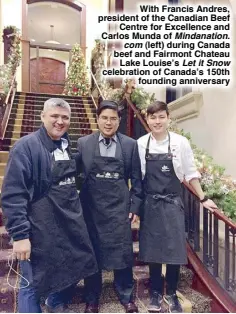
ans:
(100, 95)
(7, 106)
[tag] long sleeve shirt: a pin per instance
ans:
(183, 158)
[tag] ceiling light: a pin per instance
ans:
(32, 39)
(52, 41)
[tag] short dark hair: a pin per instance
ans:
(108, 104)
(156, 107)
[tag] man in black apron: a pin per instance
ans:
(109, 160)
(164, 155)
(44, 215)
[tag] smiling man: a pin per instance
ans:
(166, 160)
(44, 215)
(109, 160)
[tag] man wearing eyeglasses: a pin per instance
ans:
(109, 160)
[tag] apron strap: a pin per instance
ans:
(148, 143)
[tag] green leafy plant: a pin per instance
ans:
(7, 71)
(219, 187)
(141, 98)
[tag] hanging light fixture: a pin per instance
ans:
(52, 41)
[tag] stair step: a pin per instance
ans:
(31, 128)
(185, 303)
(5, 260)
(17, 135)
(39, 106)
(1, 181)
(109, 302)
(9, 142)
(8, 295)
(1, 218)
(108, 293)
(38, 122)
(41, 100)
(4, 157)
(2, 168)
(33, 112)
(32, 117)
(47, 96)
(199, 302)
(4, 239)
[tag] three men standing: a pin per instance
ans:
(45, 220)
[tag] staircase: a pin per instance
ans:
(24, 119)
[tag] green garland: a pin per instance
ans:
(219, 187)
(141, 98)
(7, 70)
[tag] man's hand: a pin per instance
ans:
(210, 205)
(22, 249)
(132, 217)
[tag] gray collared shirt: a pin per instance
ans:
(107, 150)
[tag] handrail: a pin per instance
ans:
(99, 90)
(217, 212)
(144, 124)
(96, 84)
(8, 107)
(215, 289)
(11, 86)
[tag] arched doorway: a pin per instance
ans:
(65, 34)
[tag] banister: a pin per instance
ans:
(217, 212)
(11, 86)
(95, 81)
(142, 121)
(215, 291)
(7, 112)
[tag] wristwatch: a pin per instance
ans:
(204, 199)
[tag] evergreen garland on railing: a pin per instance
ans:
(218, 186)
(7, 70)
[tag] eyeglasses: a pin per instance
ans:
(106, 119)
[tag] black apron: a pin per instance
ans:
(162, 224)
(106, 202)
(62, 253)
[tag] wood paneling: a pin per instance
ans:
(50, 76)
